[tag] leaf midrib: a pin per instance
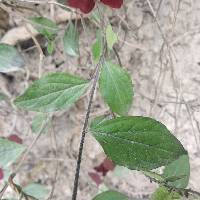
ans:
(46, 95)
(132, 142)
(118, 94)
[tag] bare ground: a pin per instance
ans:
(166, 84)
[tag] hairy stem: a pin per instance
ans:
(84, 130)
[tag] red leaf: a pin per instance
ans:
(106, 166)
(100, 168)
(1, 174)
(95, 177)
(84, 5)
(113, 3)
(15, 138)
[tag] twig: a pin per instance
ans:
(3, 190)
(23, 158)
(18, 189)
(20, 33)
(41, 54)
(18, 7)
(159, 83)
(177, 8)
(191, 122)
(170, 52)
(157, 22)
(47, 2)
(179, 190)
(84, 130)
(87, 116)
(118, 57)
(159, 6)
(55, 150)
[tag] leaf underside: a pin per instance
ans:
(180, 170)
(10, 59)
(116, 88)
(9, 152)
(53, 92)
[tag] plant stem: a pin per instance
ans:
(84, 130)
(183, 191)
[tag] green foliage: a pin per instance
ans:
(97, 48)
(47, 28)
(111, 195)
(71, 40)
(154, 176)
(9, 152)
(111, 36)
(52, 92)
(138, 143)
(10, 59)
(95, 17)
(134, 142)
(163, 194)
(50, 47)
(177, 173)
(116, 88)
(36, 190)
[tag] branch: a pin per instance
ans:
(20, 33)
(182, 191)
(23, 158)
(84, 130)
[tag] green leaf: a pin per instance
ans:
(154, 176)
(163, 194)
(71, 41)
(52, 92)
(95, 17)
(139, 143)
(36, 190)
(39, 122)
(50, 47)
(177, 173)
(121, 172)
(48, 29)
(111, 36)
(98, 120)
(10, 59)
(116, 88)
(9, 152)
(111, 195)
(45, 26)
(97, 48)
(173, 178)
